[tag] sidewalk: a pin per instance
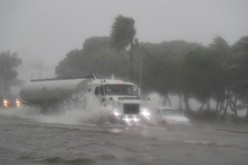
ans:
(228, 126)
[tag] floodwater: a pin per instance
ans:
(72, 138)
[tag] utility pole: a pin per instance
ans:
(140, 70)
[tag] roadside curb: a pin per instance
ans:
(232, 130)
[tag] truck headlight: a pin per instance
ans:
(126, 119)
(135, 119)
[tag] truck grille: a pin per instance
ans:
(131, 108)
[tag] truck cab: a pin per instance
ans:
(120, 98)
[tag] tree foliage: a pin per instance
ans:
(214, 72)
(8, 64)
(218, 71)
(123, 32)
(95, 56)
(123, 36)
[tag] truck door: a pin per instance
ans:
(99, 92)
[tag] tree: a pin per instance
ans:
(8, 64)
(240, 67)
(199, 70)
(123, 36)
(95, 56)
(223, 87)
(162, 68)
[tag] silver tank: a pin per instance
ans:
(52, 90)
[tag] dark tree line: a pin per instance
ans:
(216, 72)
(8, 74)
(95, 56)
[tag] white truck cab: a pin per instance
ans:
(119, 97)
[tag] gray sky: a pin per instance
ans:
(41, 32)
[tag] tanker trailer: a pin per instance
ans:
(50, 92)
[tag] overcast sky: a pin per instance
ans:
(42, 32)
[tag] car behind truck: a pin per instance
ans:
(10, 101)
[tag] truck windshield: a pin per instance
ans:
(119, 89)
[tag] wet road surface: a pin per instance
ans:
(35, 139)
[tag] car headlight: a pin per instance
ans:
(18, 103)
(144, 112)
(5, 103)
(116, 114)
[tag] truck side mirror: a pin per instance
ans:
(137, 91)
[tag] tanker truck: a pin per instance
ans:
(119, 98)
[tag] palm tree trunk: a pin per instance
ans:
(247, 114)
(180, 103)
(200, 109)
(217, 105)
(186, 102)
(169, 101)
(225, 110)
(131, 61)
(208, 105)
(233, 106)
(246, 110)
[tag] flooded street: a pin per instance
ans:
(28, 137)
(114, 82)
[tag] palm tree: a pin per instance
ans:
(240, 49)
(123, 36)
(224, 90)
